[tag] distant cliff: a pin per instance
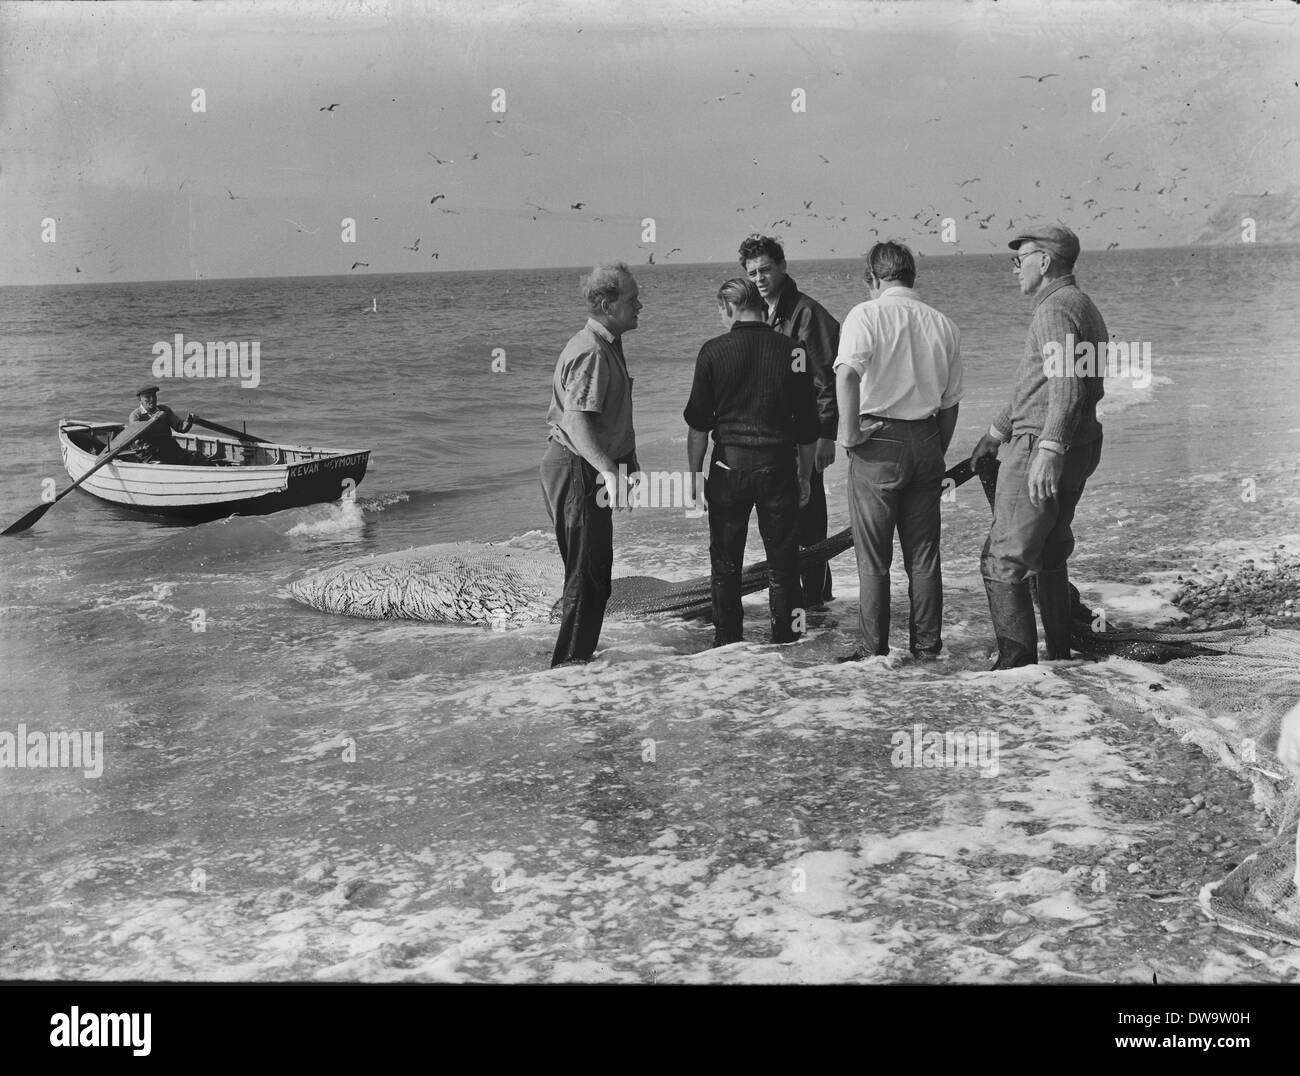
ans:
(1276, 215)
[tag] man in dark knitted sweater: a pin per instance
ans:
(754, 389)
(1055, 438)
(795, 314)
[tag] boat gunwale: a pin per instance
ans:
(318, 454)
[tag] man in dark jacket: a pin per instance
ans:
(792, 313)
(752, 391)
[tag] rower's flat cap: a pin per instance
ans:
(1056, 238)
(147, 389)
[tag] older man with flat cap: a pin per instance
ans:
(157, 445)
(1055, 445)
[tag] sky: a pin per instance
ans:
(816, 122)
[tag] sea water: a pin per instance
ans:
(287, 794)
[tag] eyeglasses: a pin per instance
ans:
(1017, 259)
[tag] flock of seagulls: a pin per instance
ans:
(930, 218)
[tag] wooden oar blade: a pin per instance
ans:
(128, 433)
(28, 520)
(123, 441)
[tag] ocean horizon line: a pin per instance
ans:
(585, 267)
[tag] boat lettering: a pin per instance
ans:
(332, 464)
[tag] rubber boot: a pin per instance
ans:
(728, 616)
(1055, 606)
(1012, 610)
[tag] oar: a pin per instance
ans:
(233, 433)
(31, 517)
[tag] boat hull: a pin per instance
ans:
(195, 493)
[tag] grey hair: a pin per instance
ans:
(604, 282)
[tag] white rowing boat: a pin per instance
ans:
(243, 477)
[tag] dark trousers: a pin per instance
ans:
(739, 481)
(1025, 539)
(895, 482)
(816, 576)
(584, 531)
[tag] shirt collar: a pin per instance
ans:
(749, 325)
(902, 290)
(1055, 285)
(785, 299)
(600, 330)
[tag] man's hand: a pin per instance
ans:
(1045, 476)
(825, 453)
(695, 491)
(617, 490)
(850, 437)
(986, 449)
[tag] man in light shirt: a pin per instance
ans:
(898, 380)
(590, 420)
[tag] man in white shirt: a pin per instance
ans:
(898, 380)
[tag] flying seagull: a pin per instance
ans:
(1039, 78)
(416, 248)
(233, 196)
(365, 264)
(436, 158)
(577, 205)
(328, 108)
(436, 197)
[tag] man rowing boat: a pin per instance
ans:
(156, 444)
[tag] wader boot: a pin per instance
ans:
(1055, 605)
(1012, 610)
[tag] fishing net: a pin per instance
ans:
(1255, 680)
(454, 583)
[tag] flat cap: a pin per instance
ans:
(147, 388)
(1054, 238)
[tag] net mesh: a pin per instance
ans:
(1256, 682)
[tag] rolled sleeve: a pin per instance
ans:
(856, 345)
(585, 382)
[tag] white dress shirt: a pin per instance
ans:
(906, 353)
